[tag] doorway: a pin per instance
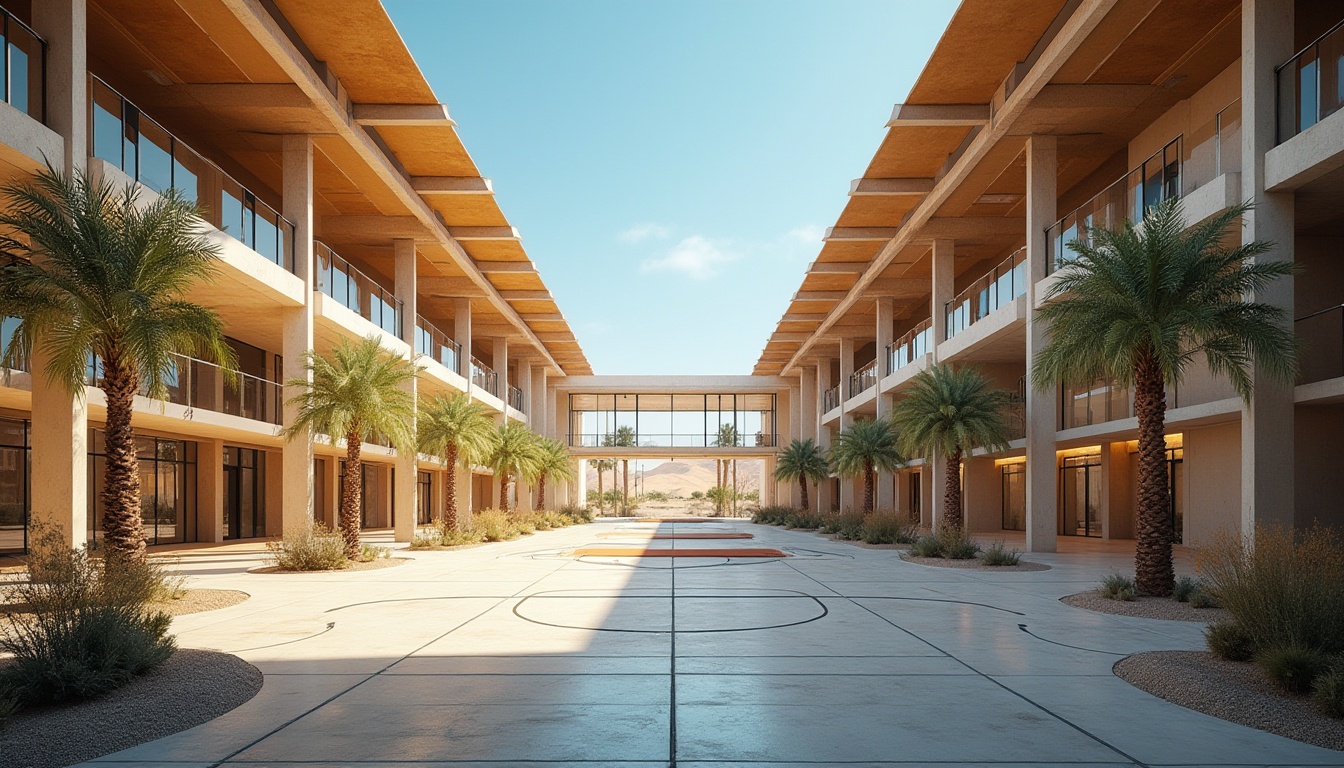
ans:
(1014, 483)
(1080, 496)
(244, 513)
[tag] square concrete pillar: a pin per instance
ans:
(210, 490)
(274, 494)
(332, 480)
(64, 25)
(295, 510)
(405, 489)
(929, 488)
(465, 490)
(462, 335)
(1117, 507)
(982, 494)
(1267, 437)
(58, 439)
(1042, 396)
(944, 277)
(499, 352)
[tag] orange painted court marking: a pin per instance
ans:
(643, 552)
(638, 534)
(683, 519)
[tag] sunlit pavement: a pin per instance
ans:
(518, 654)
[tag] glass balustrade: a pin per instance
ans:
(1322, 337)
(484, 376)
(516, 398)
(1005, 282)
(355, 290)
(916, 343)
(200, 384)
(1311, 84)
(435, 344)
(24, 67)
(120, 134)
(830, 399)
(1212, 149)
(863, 379)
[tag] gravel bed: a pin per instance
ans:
(1229, 690)
(974, 564)
(372, 565)
(190, 688)
(200, 600)
(1144, 607)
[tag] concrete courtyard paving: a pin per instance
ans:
(514, 654)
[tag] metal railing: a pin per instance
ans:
(122, 135)
(1212, 149)
(25, 67)
(1321, 334)
(1005, 282)
(355, 290)
(672, 440)
(1128, 199)
(484, 376)
(916, 343)
(8, 325)
(1311, 84)
(1015, 414)
(830, 399)
(863, 378)
(516, 398)
(435, 344)
(200, 384)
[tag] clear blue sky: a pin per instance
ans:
(671, 165)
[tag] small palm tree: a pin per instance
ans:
(94, 274)
(624, 437)
(802, 460)
(552, 461)
(515, 455)
(950, 411)
(601, 465)
(726, 437)
(463, 432)
(1139, 306)
(862, 450)
(357, 394)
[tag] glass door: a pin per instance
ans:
(1014, 496)
(1080, 496)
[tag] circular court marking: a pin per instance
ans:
(717, 611)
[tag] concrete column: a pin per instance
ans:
(60, 457)
(405, 489)
(462, 335)
(847, 484)
(273, 494)
(1042, 396)
(499, 350)
(927, 488)
(64, 25)
(1117, 508)
(944, 273)
(886, 492)
(465, 501)
(1267, 442)
(296, 464)
(982, 494)
(332, 479)
(538, 405)
(210, 490)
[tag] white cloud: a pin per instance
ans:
(646, 231)
(808, 234)
(697, 257)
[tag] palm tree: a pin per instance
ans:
(802, 460)
(950, 411)
(726, 437)
(1139, 306)
(462, 431)
(552, 461)
(624, 438)
(601, 465)
(356, 393)
(514, 455)
(95, 274)
(862, 450)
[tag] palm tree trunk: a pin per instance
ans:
(449, 519)
(601, 502)
(952, 492)
(734, 487)
(1153, 571)
(352, 495)
(802, 486)
(541, 492)
(504, 492)
(869, 487)
(123, 526)
(625, 486)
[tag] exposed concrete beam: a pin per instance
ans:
(860, 234)
(464, 234)
(939, 114)
(452, 185)
(278, 95)
(837, 267)
(378, 227)
(785, 336)
(1091, 96)
(514, 267)
(897, 287)
(527, 295)
(865, 187)
(819, 295)
(963, 228)
(449, 287)
(402, 114)
(553, 338)
(543, 317)
(799, 317)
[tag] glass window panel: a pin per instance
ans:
(156, 156)
(231, 211)
(107, 125)
(18, 74)
(267, 235)
(1306, 95)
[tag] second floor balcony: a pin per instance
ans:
(1311, 84)
(1321, 334)
(830, 399)
(435, 344)
(199, 384)
(863, 379)
(913, 345)
(516, 400)
(484, 377)
(356, 291)
(1005, 282)
(24, 67)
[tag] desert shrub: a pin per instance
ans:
(1292, 667)
(494, 525)
(440, 535)
(957, 544)
(1184, 588)
(804, 519)
(89, 628)
(577, 515)
(1327, 692)
(315, 548)
(1286, 591)
(523, 525)
(1227, 640)
(1202, 599)
(773, 515)
(1117, 587)
(996, 555)
(370, 552)
(886, 528)
(927, 546)
(9, 704)
(846, 525)
(538, 520)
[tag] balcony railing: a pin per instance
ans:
(1128, 199)
(199, 384)
(516, 398)
(830, 399)
(997, 288)
(863, 378)
(356, 291)
(916, 343)
(672, 440)
(435, 344)
(122, 135)
(484, 376)
(8, 325)
(25, 67)
(1322, 337)
(1311, 84)
(1212, 149)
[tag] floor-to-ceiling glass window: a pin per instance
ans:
(673, 420)
(244, 493)
(167, 487)
(915, 510)
(371, 489)
(1175, 485)
(1080, 496)
(424, 486)
(1014, 478)
(14, 484)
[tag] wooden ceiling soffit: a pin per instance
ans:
(886, 187)
(963, 228)
(873, 234)
(452, 185)
(402, 114)
(466, 234)
(939, 114)
(449, 287)
(373, 227)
